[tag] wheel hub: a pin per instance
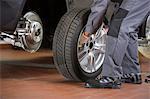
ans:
(35, 31)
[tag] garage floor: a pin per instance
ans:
(33, 76)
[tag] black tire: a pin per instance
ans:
(65, 45)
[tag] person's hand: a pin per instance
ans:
(84, 37)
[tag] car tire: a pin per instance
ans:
(65, 45)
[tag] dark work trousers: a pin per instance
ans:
(121, 55)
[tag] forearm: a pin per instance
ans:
(98, 9)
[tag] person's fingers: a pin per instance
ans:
(84, 39)
(86, 34)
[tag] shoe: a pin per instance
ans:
(132, 78)
(104, 82)
(147, 80)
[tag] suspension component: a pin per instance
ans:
(28, 34)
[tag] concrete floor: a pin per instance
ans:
(33, 76)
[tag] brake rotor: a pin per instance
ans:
(33, 39)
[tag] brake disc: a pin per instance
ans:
(32, 40)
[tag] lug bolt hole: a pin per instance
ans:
(86, 44)
(91, 38)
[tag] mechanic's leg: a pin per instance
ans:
(130, 16)
(130, 63)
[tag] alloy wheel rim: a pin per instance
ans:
(92, 53)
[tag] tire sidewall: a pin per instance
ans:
(76, 65)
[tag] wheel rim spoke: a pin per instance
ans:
(91, 61)
(84, 60)
(84, 51)
(100, 32)
(98, 46)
